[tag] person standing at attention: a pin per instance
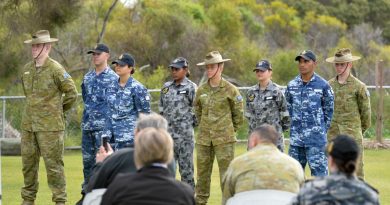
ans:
(266, 104)
(310, 104)
(352, 110)
(219, 111)
(127, 98)
(44, 83)
(96, 110)
(176, 105)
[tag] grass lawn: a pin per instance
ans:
(376, 167)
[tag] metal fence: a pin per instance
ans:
(17, 101)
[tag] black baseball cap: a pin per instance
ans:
(343, 147)
(99, 48)
(307, 55)
(179, 62)
(125, 59)
(263, 65)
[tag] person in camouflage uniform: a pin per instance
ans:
(219, 111)
(262, 167)
(44, 83)
(176, 105)
(127, 98)
(352, 110)
(310, 104)
(265, 103)
(95, 121)
(342, 186)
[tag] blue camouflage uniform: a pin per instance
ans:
(95, 115)
(125, 105)
(311, 108)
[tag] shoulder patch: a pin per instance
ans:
(251, 97)
(367, 93)
(66, 75)
(239, 98)
(165, 90)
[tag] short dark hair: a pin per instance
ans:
(266, 133)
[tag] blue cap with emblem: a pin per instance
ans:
(179, 62)
(307, 55)
(99, 48)
(263, 65)
(125, 59)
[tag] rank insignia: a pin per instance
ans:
(251, 97)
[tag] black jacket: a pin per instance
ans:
(150, 185)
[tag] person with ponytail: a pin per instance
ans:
(342, 186)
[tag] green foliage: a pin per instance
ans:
(351, 12)
(284, 67)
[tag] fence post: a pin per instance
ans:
(3, 119)
(380, 93)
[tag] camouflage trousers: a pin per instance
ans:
(183, 138)
(205, 160)
(49, 145)
(90, 143)
(358, 136)
(314, 156)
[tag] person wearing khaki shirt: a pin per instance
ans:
(262, 167)
(352, 110)
(44, 83)
(219, 111)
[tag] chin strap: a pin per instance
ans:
(40, 52)
(215, 73)
(346, 66)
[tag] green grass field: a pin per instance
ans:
(376, 166)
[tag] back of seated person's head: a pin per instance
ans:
(265, 133)
(343, 153)
(151, 120)
(152, 146)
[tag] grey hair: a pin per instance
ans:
(151, 120)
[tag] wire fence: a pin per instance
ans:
(12, 110)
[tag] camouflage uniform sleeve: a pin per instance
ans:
(66, 85)
(83, 93)
(161, 102)
(237, 108)
(142, 100)
(198, 107)
(288, 100)
(284, 116)
(249, 111)
(192, 101)
(328, 105)
(364, 108)
(227, 188)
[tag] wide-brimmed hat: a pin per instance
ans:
(42, 36)
(343, 55)
(212, 58)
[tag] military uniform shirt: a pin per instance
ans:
(219, 112)
(125, 105)
(337, 189)
(311, 109)
(45, 104)
(352, 110)
(94, 92)
(262, 167)
(176, 103)
(267, 106)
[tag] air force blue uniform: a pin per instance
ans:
(125, 105)
(310, 106)
(95, 115)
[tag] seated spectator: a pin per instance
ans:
(262, 167)
(152, 183)
(342, 186)
(107, 167)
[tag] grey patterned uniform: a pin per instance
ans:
(337, 189)
(267, 106)
(176, 105)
